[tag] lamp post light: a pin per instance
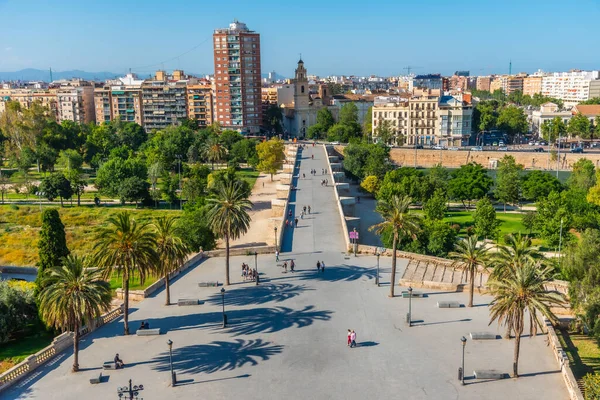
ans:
(276, 247)
(256, 266)
(180, 192)
(131, 390)
(410, 290)
(173, 376)
(377, 277)
(462, 370)
(223, 301)
(40, 194)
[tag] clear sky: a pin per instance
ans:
(334, 36)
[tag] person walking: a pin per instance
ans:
(323, 266)
(349, 335)
(352, 339)
(296, 221)
(318, 266)
(302, 215)
(292, 265)
(309, 209)
(304, 208)
(276, 255)
(285, 266)
(303, 176)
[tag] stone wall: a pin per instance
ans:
(329, 151)
(454, 159)
(563, 363)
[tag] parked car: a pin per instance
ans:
(453, 148)
(477, 148)
(576, 150)
(539, 150)
(419, 146)
(503, 148)
(335, 143)
(438, 147)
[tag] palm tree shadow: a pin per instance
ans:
(343, 272)
(217, 356)
(264, 293)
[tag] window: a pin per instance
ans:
(302, 89)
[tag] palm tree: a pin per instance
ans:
(397, 217)
(523, 289)
(214, 151)
(73, 296)
(228, 217)
(124, 246)
(517, 252)
(468, 254)
(171, 250)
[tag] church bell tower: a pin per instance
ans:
(301, 96)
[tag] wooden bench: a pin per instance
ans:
(488, 374)
(448, 304)
(405, 294)
(483, 336)
(148, 332)
(187, 302)
(208, 284)
(109, 365)
(97, 379)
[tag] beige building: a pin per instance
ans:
(120, 98)
(426, 119)
(483, 83)
(200, 101)
(164, 100)
(75, 102)
(26, 97)
(532, 85)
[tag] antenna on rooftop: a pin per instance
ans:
(510, 67)
(50, 74)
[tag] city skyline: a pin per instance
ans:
(114, 37)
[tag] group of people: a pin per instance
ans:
(351, 338)
(144, 325)
(324, 182)
(292, 266)
(321, 266)
(248, 273)
(314, 172)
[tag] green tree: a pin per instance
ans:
(171, 250)
(438, 177)
(486, 224)
(273, 119)
(469, 182)
(593, 100)
(583, 176)
(486, 115)
(384, 131)
(56, 185)
(125, 246)
(370, 184)
(553, 129)
(398, 218)
(115, 171)
(436, 206)
(513, 120)
(508, 180)
(523, 290)
(133, 189)
(73, 296)
(194, 227)
(579, 125)
(469, 254)
(441, 238)
(404, 181)
(18, 310)
(77, 181)
(228, 217)
(528, 220)
(52, 246)
(244, 151)
(270, 155)
(325, 119)
(70, 159)
(550, 212)
(228, 138)
(214, 152)
(368, 122)
(536, 185)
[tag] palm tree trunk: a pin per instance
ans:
(393, 279)
(507, 333)
(76, 349)
(167, 291)
(227, 260)
(472, 285)
(516, 359)
(126, 304)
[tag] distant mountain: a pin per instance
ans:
(31, 74)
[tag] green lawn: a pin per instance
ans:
(509, 222)
(134, 282)
(249, 175)
(583, 352)
(14, 352)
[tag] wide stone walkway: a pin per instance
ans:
(286, 337)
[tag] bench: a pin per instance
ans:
(488, 374)
(109, 365)
(448, 304)
(483, 336)
(208, 284)
(148, 332)
(187, 302)
(97, 379)
(414, 294)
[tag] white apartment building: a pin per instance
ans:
(571, 87)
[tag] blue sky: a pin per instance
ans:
(334, 37)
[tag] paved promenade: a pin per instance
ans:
(286, 337)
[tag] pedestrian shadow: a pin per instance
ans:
(422, 323)
(366, 344)
(261, 294)
(342, 273)
(216, 356)
(193, 382)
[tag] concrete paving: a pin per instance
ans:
(286, 337)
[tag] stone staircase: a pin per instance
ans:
(435, 275)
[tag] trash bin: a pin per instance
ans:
(460, 373)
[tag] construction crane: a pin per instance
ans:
(410, 68)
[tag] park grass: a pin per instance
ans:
(20, 227)
(249, 175)
(509, 222)
(583, 352)
(116, 281)
(13, 352)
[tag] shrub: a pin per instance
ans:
(591, 385)
(17, 309)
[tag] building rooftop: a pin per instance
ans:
(589, 110)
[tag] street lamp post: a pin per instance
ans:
(180, 192)
(173, 376)
(40, 194)
(355, 242)
(223, 301)
(276, 247)
(462, 370)
(131, 390)
(256, 266)
(377, 277)
(410, 290)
